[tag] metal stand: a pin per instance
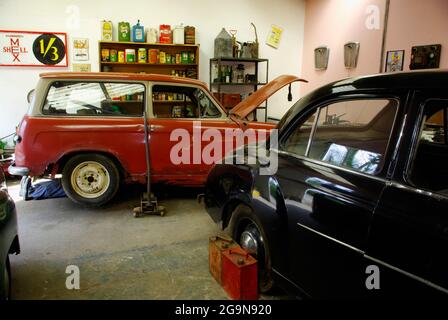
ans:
(148, 202)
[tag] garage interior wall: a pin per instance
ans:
(207, 16)
(335, 22)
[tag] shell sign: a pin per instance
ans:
(33, 49)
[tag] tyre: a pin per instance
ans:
(246, 229)
(90, 179)
(5, 293)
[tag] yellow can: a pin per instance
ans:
(162, 57)
(121, 56)
(142, 55)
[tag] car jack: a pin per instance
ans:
(148, 202)
(149, 207)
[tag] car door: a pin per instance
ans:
(180, 116)
(409, 232)
(332, 166)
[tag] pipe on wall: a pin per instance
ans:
(383, 44)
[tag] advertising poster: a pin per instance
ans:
(33, 49)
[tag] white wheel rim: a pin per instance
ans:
(90, 179)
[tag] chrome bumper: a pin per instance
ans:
(18, 171)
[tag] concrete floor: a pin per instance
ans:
(119, 256)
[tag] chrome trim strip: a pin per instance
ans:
(416, 190)
(329, 165)
(410, 275)
(312, 132)
(330, 238)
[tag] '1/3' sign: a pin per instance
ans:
(49, 49)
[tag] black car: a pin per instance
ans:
(9, 239)
(358, 206)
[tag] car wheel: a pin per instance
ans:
(90, 179)
(245, 228)
(6, 290)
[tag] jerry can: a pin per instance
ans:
(138, 33)
(216, 246)
(124, 31)
(239, 274)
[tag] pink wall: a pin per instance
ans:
(417, 22)
(335, 22)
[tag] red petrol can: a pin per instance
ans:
(239, 274)
(216, 246)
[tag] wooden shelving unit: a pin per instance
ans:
(157, 68)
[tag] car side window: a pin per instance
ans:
(94, 99)
(429, 170)
(354, 133)
(170, 101)
(297, 142)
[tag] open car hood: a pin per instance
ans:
(245, 107)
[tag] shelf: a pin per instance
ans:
(125, 101)
(149, 44)
(239, 59)
(239, 84)
(168, 101)
(150, 64)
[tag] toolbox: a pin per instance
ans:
(216, 246)
(239, 274)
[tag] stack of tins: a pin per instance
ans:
(233, 268)
(190, 35)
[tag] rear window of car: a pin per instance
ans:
(94, 99)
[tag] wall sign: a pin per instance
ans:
(33, 49)
(394, 61)
(80, 49)
(274, 37)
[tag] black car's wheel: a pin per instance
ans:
(90, 179)
(6, 290)
(245, 228)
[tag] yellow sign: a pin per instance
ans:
(274, 36)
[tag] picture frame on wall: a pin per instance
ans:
(394, 60)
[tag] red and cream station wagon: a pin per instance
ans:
(90, 128)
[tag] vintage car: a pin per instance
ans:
(89, 127)
(358, 205)
(9, 238)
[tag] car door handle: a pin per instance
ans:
(152, 128)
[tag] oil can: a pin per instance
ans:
(239, 274)
(216, 246)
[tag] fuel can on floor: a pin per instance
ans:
(239, 274)
(216, 246)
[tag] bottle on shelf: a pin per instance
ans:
(228, 74)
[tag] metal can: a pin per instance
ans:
(113, 55)
(105, 55)
(184, 57)
(121, 56)
(142, 55)
(191, 57)
(152, 55)
(162, 57)
(130, 55)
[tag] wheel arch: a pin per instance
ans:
(62, 161)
